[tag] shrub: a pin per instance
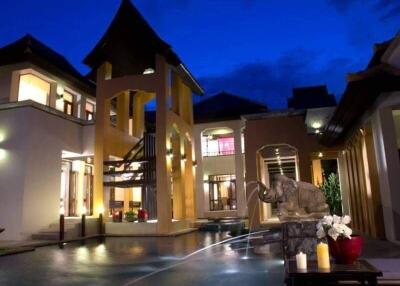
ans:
(331, 189)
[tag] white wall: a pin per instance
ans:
(388, 163)
(219, 165)
(30, 174)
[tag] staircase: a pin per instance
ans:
(136, 169)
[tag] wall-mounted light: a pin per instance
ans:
(320, 155)
(148, 71)
(170, 153)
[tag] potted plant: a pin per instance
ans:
(130, 216)
(344, 246)
(142, 215)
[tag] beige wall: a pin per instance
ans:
(30, 172)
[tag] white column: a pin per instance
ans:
(239, 171)
(388, 165)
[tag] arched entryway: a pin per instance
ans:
(273, 160)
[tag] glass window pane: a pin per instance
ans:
(33, 88)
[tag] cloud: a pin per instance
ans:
(272, 82)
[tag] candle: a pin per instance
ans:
(323, 256)
(301, 260)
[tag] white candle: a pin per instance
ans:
(301, 260)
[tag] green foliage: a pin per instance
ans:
(331, 189)
(130, 215)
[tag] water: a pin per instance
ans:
(147, 261)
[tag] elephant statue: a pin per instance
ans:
(296, 200)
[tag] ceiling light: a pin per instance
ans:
(148, 71)
(316, 124)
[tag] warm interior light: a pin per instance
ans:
(100, 209)
(320, 155)
(148, 71)
(33, 88)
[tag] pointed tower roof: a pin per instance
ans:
(129, 41)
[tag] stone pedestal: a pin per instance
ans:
(299, 236)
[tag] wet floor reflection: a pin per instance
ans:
(147, 261)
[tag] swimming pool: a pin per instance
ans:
(147, 261)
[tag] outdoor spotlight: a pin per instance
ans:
(148, 71)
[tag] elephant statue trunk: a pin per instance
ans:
(296, 200)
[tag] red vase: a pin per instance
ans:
(142, 215)
(344, 250)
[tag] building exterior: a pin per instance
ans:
(365, 127)
(282, 142)
(78, 145)
(46, 122)
(218, 131)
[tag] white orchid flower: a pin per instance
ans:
(327, 220)
(336, 219)
(332, 233)
(346, 219)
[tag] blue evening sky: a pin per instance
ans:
(259, 49)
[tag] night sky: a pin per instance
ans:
(259, 49)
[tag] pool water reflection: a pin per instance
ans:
(146, 261)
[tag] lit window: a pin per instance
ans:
(218, 145)
(33, 88)
(222, 190)
(66, 103)
(89, 111)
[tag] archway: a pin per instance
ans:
(275, 159)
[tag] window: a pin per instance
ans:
(89, 111)
(33, 88)
(222, 189)
(66, 103)
(218, 145)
